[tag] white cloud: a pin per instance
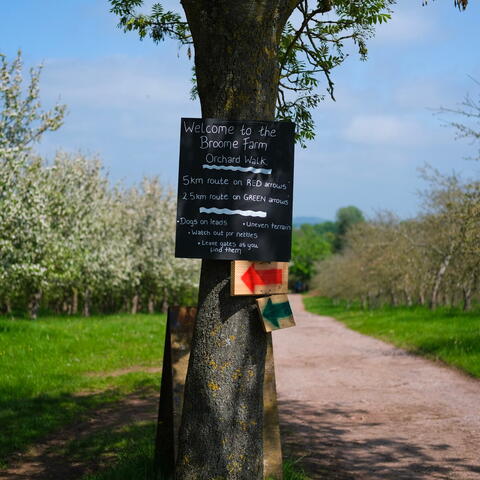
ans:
(114, 82)
(384, 129)
(119, 98)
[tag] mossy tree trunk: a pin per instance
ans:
(237, 76)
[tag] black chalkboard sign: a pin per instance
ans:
(235, 188)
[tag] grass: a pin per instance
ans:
(291, 471)
(128, 451)
(44, 364)
(449, 335)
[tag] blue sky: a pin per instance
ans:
(125, 100)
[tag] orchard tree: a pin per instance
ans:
(149, 224)
(90, 256)
(22, 120)
(433, 258)
(346, 218)
(451, 219)
(254, 60)
(308, 248)
(23, 236)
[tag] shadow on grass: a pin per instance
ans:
(26, 420)
(127, 453)
(329, 452)
(30, 420)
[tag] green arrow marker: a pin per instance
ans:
(274, 311)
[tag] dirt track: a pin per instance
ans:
(358, 408)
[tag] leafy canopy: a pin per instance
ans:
(311, 46)
(313, 43)
(308, 248)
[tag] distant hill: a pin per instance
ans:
(297, 221)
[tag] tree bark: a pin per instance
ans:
(222, 423)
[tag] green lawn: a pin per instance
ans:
(449, 335)
(44, 364)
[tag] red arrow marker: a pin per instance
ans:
(251, 278)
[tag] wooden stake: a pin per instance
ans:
(178, 337)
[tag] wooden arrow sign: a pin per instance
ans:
(275, 312)
(258, 278)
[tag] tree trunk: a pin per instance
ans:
(364, 302)
(393, 298)
(421, 296)
(151, 304)
(74, 301)
(135, 300)
(467, 298)
(408, 298)
(467, 291)
(65, 307)
(8, 305)
(86, 303)
(34, 305)
(438, 280)
(222, 422)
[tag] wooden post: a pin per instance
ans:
(178, 337)
(164, 459)
(272, 445)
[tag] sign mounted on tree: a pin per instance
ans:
(235, 190)
(258, 278)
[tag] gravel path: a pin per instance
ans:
(358, 408)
